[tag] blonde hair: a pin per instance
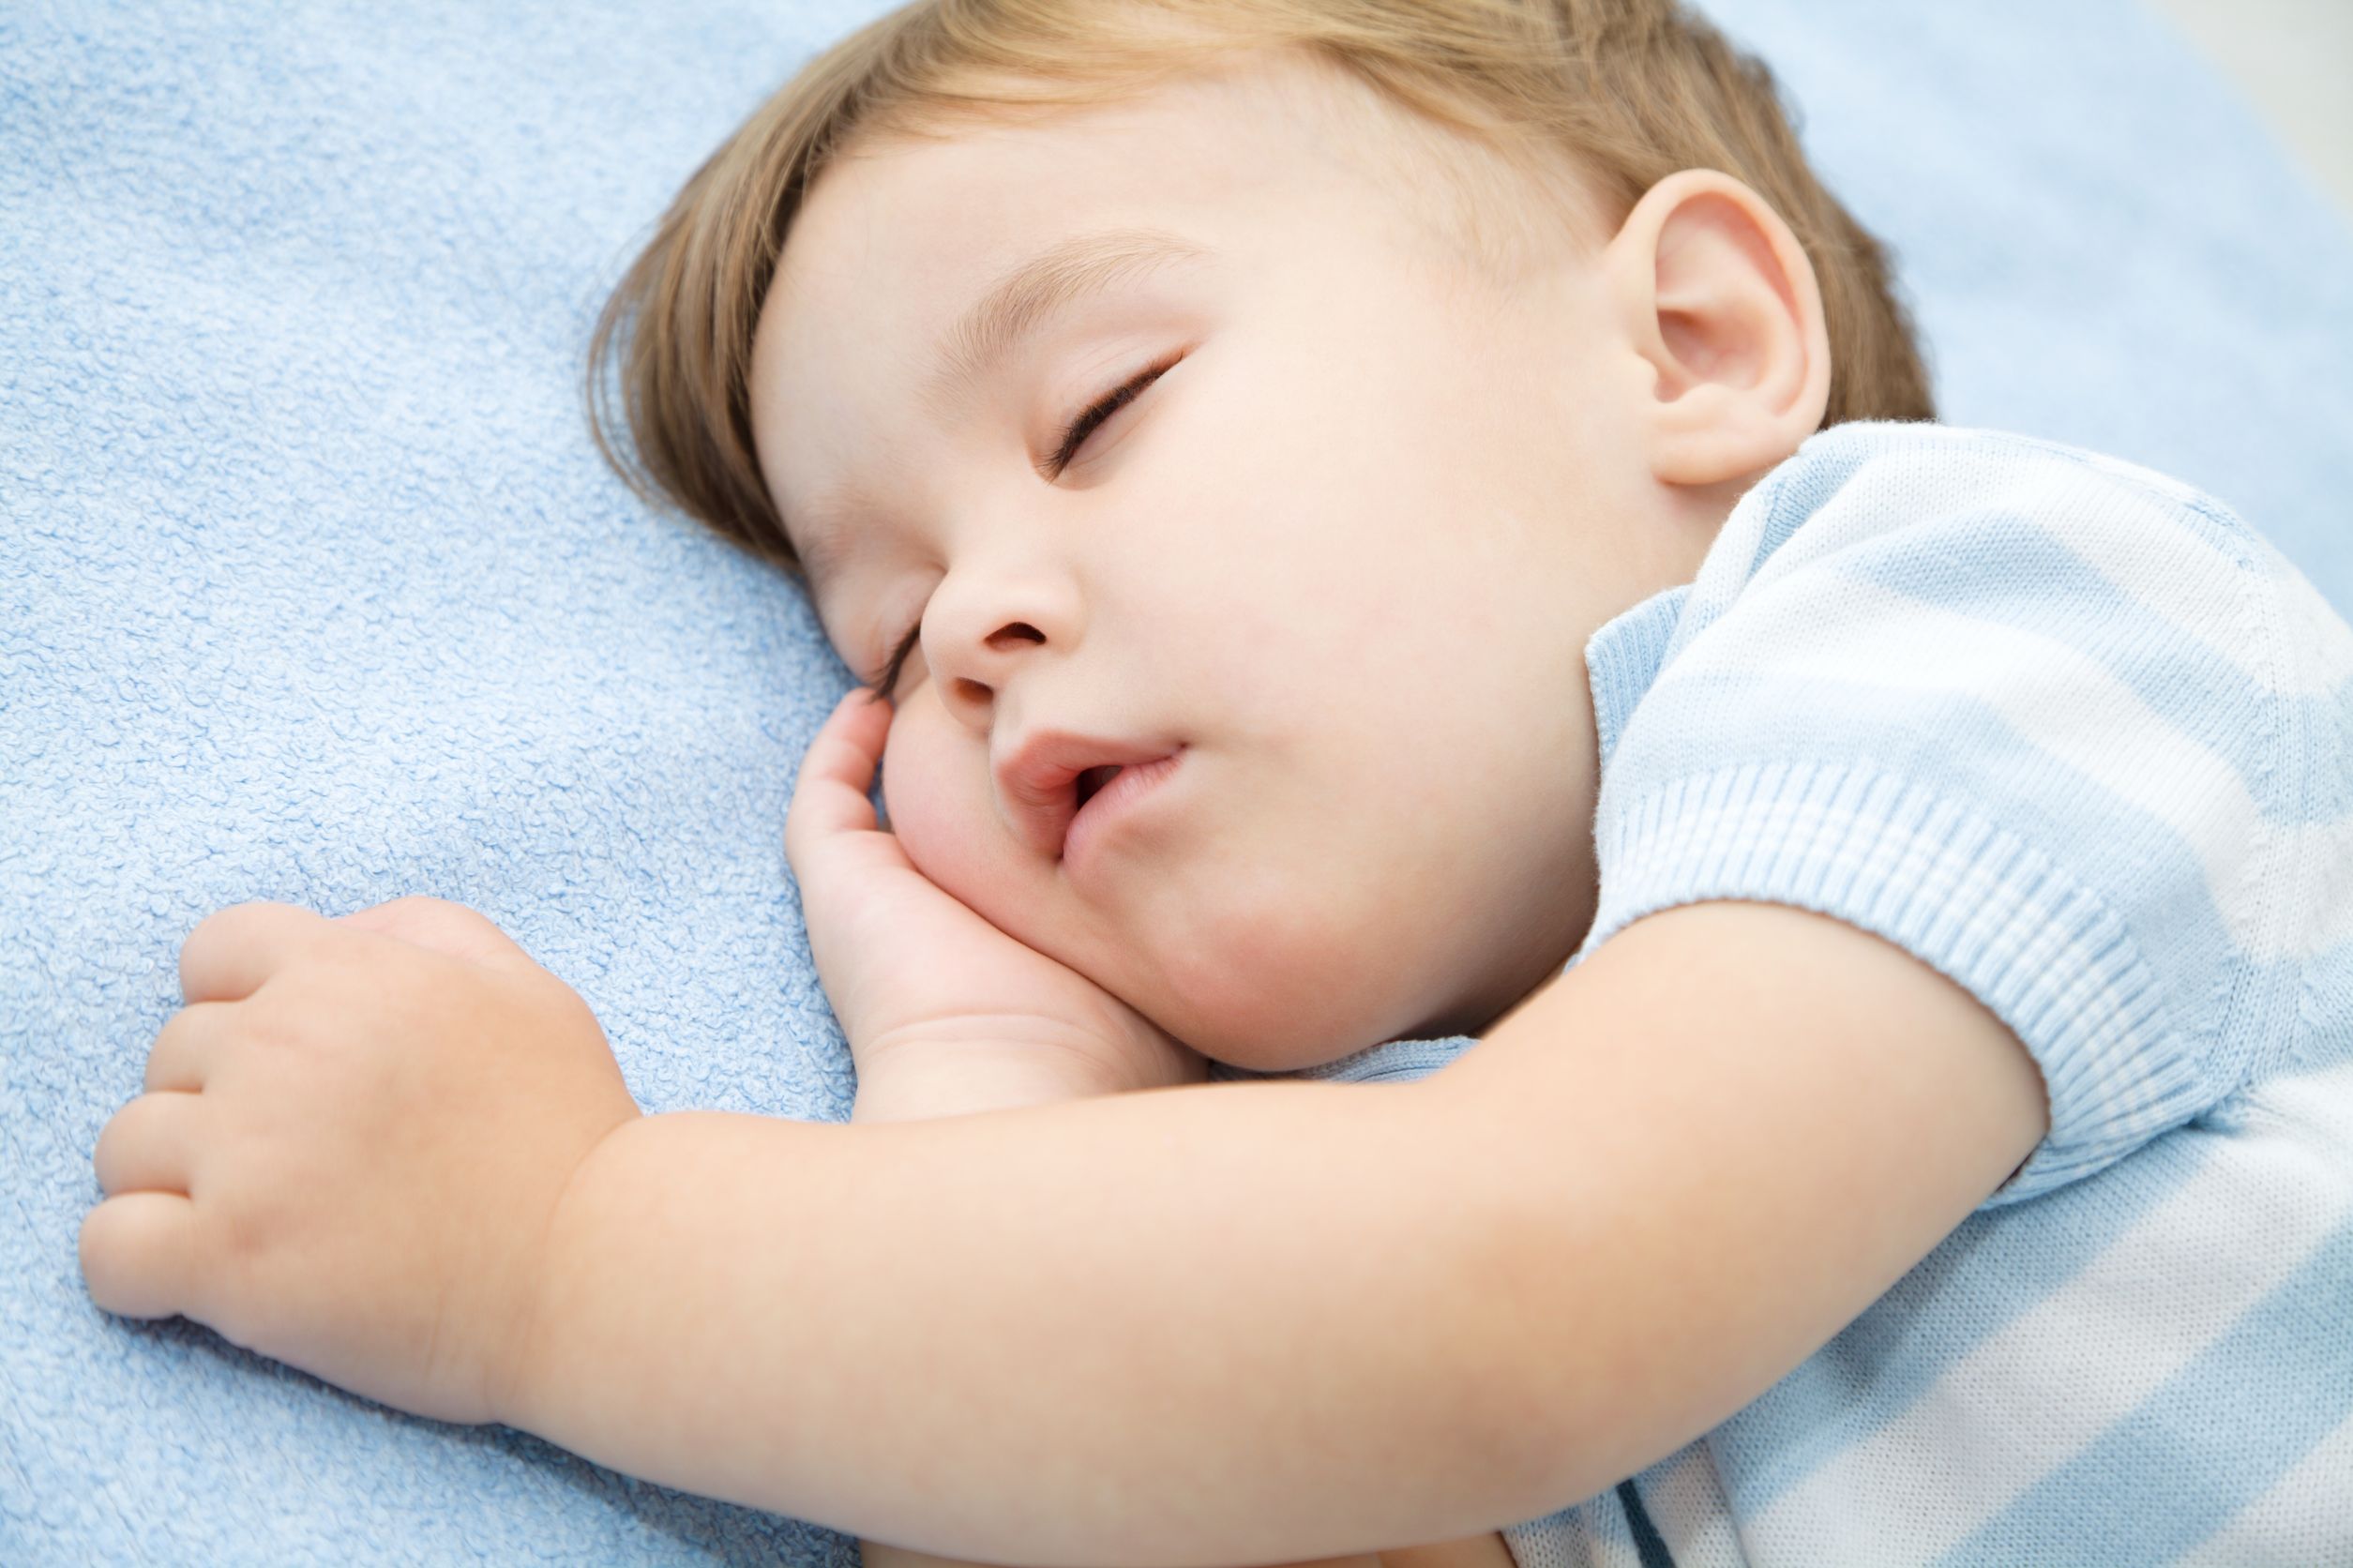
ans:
(1630, 91)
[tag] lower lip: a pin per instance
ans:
(1111, 805)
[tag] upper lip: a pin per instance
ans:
(1038, 778)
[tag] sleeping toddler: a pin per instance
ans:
(1366, 522)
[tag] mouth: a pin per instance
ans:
(1104, 800)
(1049, 776)
(1094, 779)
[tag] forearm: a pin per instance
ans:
(1208, 1325)
(924, 1091)
(919, 1090)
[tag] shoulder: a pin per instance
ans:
(1950, 598)
(1968, 516)
(1922, 468)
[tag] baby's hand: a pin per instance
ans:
(352, 1140)
(923, 986)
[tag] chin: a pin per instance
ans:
(1274, 1008)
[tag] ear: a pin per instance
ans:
(1715, 294)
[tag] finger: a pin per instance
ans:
(233, 951)
(829, 794)
(138, 1254)
(444, 927)
(847, 747)
(149, 1145)
(182, 1057)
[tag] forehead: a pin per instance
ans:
(911, 257)
(1058, 277)
(896, 212)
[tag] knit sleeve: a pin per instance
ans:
(2019, 710)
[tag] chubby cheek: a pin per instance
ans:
(935, 788)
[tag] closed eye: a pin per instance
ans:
(886, 684)
(1075, 434)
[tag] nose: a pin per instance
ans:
(984, 626)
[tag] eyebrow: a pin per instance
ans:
(1024, 298)
(1016, 307)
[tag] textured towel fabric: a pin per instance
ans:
(2075, 736)
(311, 588)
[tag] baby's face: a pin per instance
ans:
(1338, 559)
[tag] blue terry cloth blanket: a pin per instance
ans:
(313, 588)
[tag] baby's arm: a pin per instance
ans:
(904, 1090)
(1037, 1335)
(1267, 1320)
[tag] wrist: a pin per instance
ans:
(515, 1393)
(918, 1081)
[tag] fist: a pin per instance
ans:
(350, 1145)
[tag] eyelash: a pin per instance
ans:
(1073, 437)
(1074, 434)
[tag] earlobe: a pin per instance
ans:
(1720, 302)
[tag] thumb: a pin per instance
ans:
(441, 926)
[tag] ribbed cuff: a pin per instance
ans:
(2044, 952)
(1396, 1061)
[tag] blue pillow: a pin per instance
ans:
(313, 588)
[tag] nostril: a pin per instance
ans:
(1014, 631)
(971, 690)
